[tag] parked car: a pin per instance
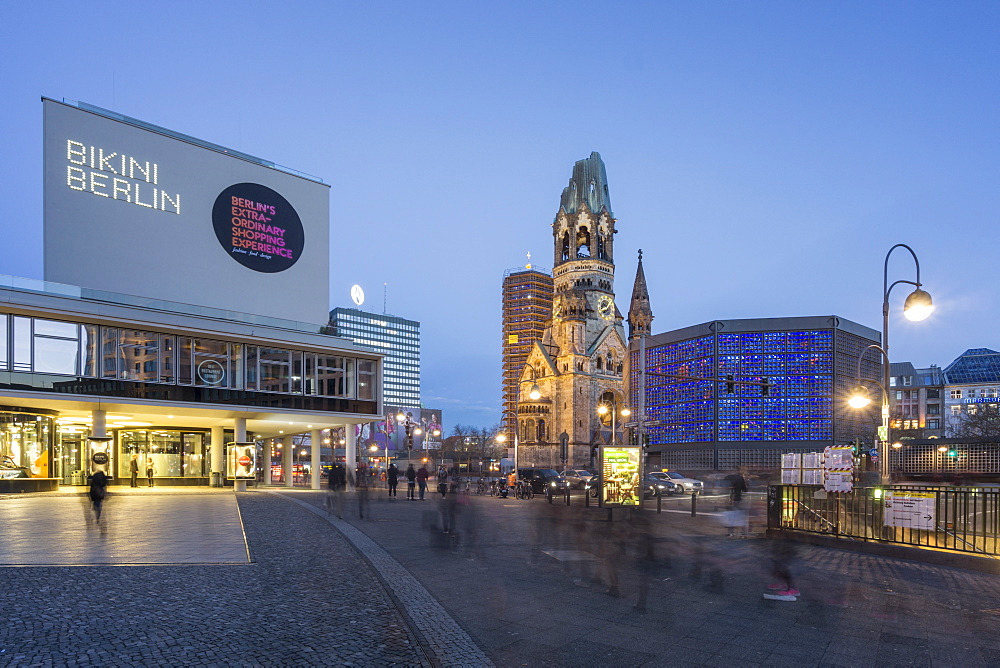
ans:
(577, 478)
(544, 480)
(686, 484)
(654, 486)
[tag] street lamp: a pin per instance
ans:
(603, 409)
(535, 395)
(918, 305)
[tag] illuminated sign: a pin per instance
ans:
(357, 295)
(258, 227)
(211, 372)
(111, 174)
(242, 461)
(137, 209)
(621, 470)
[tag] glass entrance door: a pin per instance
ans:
(193, 455)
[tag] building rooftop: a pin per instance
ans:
(976, 365)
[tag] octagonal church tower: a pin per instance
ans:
(579, 362)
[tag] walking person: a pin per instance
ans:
(442, 478)
(422, 476)
(392, 478)
(336, 483)
(150, 470)
(133, 467)
(782, 554)
(364, 483)
(98, 490)
(411, 482)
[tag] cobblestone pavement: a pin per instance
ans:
(525, 580)
(308, 599)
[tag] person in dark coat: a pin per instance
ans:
(98, 490)
(133, 467)
(411, 482)
(393, 479)
(336, 483)
(422, 476)
(737, 486)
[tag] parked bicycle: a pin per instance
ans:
(523, 490)
(482, 487)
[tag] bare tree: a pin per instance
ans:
(979, 421)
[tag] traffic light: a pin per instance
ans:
(730, 385)
(952, 452)
(765, 387)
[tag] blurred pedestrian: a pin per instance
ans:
(363, 485)
(392, 478)
(442, 479)
(133, 467)
(150, 470)
(422, 476)
(336, 483)
(737, 487)
(98, 490)
(411, 482)
(782, 554)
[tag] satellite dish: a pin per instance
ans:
(357, 294)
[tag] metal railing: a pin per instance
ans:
(961, 519)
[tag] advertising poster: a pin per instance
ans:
(910, 510)
(621, 470)
(126, 201)
(242, 462)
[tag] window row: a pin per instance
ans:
(36, 345)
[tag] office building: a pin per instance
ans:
(398, 339)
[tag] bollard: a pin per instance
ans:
(567, 496)
(659, 503)
(694, 503)
(549, 495)
(586, 498)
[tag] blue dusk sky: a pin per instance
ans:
(764, 155)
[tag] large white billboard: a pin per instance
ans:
(133, 210)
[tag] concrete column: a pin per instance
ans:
(218, 453)
(351, 450)
(240, 430)
(316, 437)
(287, 457)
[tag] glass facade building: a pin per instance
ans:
(396, 338)
(740, 392)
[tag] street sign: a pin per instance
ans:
(873, 452)
(912, 510)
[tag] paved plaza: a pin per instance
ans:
(208, 577)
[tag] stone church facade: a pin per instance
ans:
(580, 361)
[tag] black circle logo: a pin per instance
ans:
(258, 227)
(100, 458)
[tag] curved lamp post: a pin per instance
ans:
(918, 305)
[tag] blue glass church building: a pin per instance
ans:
(732, 393)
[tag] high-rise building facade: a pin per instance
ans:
(396, 338)
(527, 306)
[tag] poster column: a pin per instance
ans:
(99, 445)
(316, 439)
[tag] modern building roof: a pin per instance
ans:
(976, 365)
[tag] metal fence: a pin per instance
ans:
(963, 519)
